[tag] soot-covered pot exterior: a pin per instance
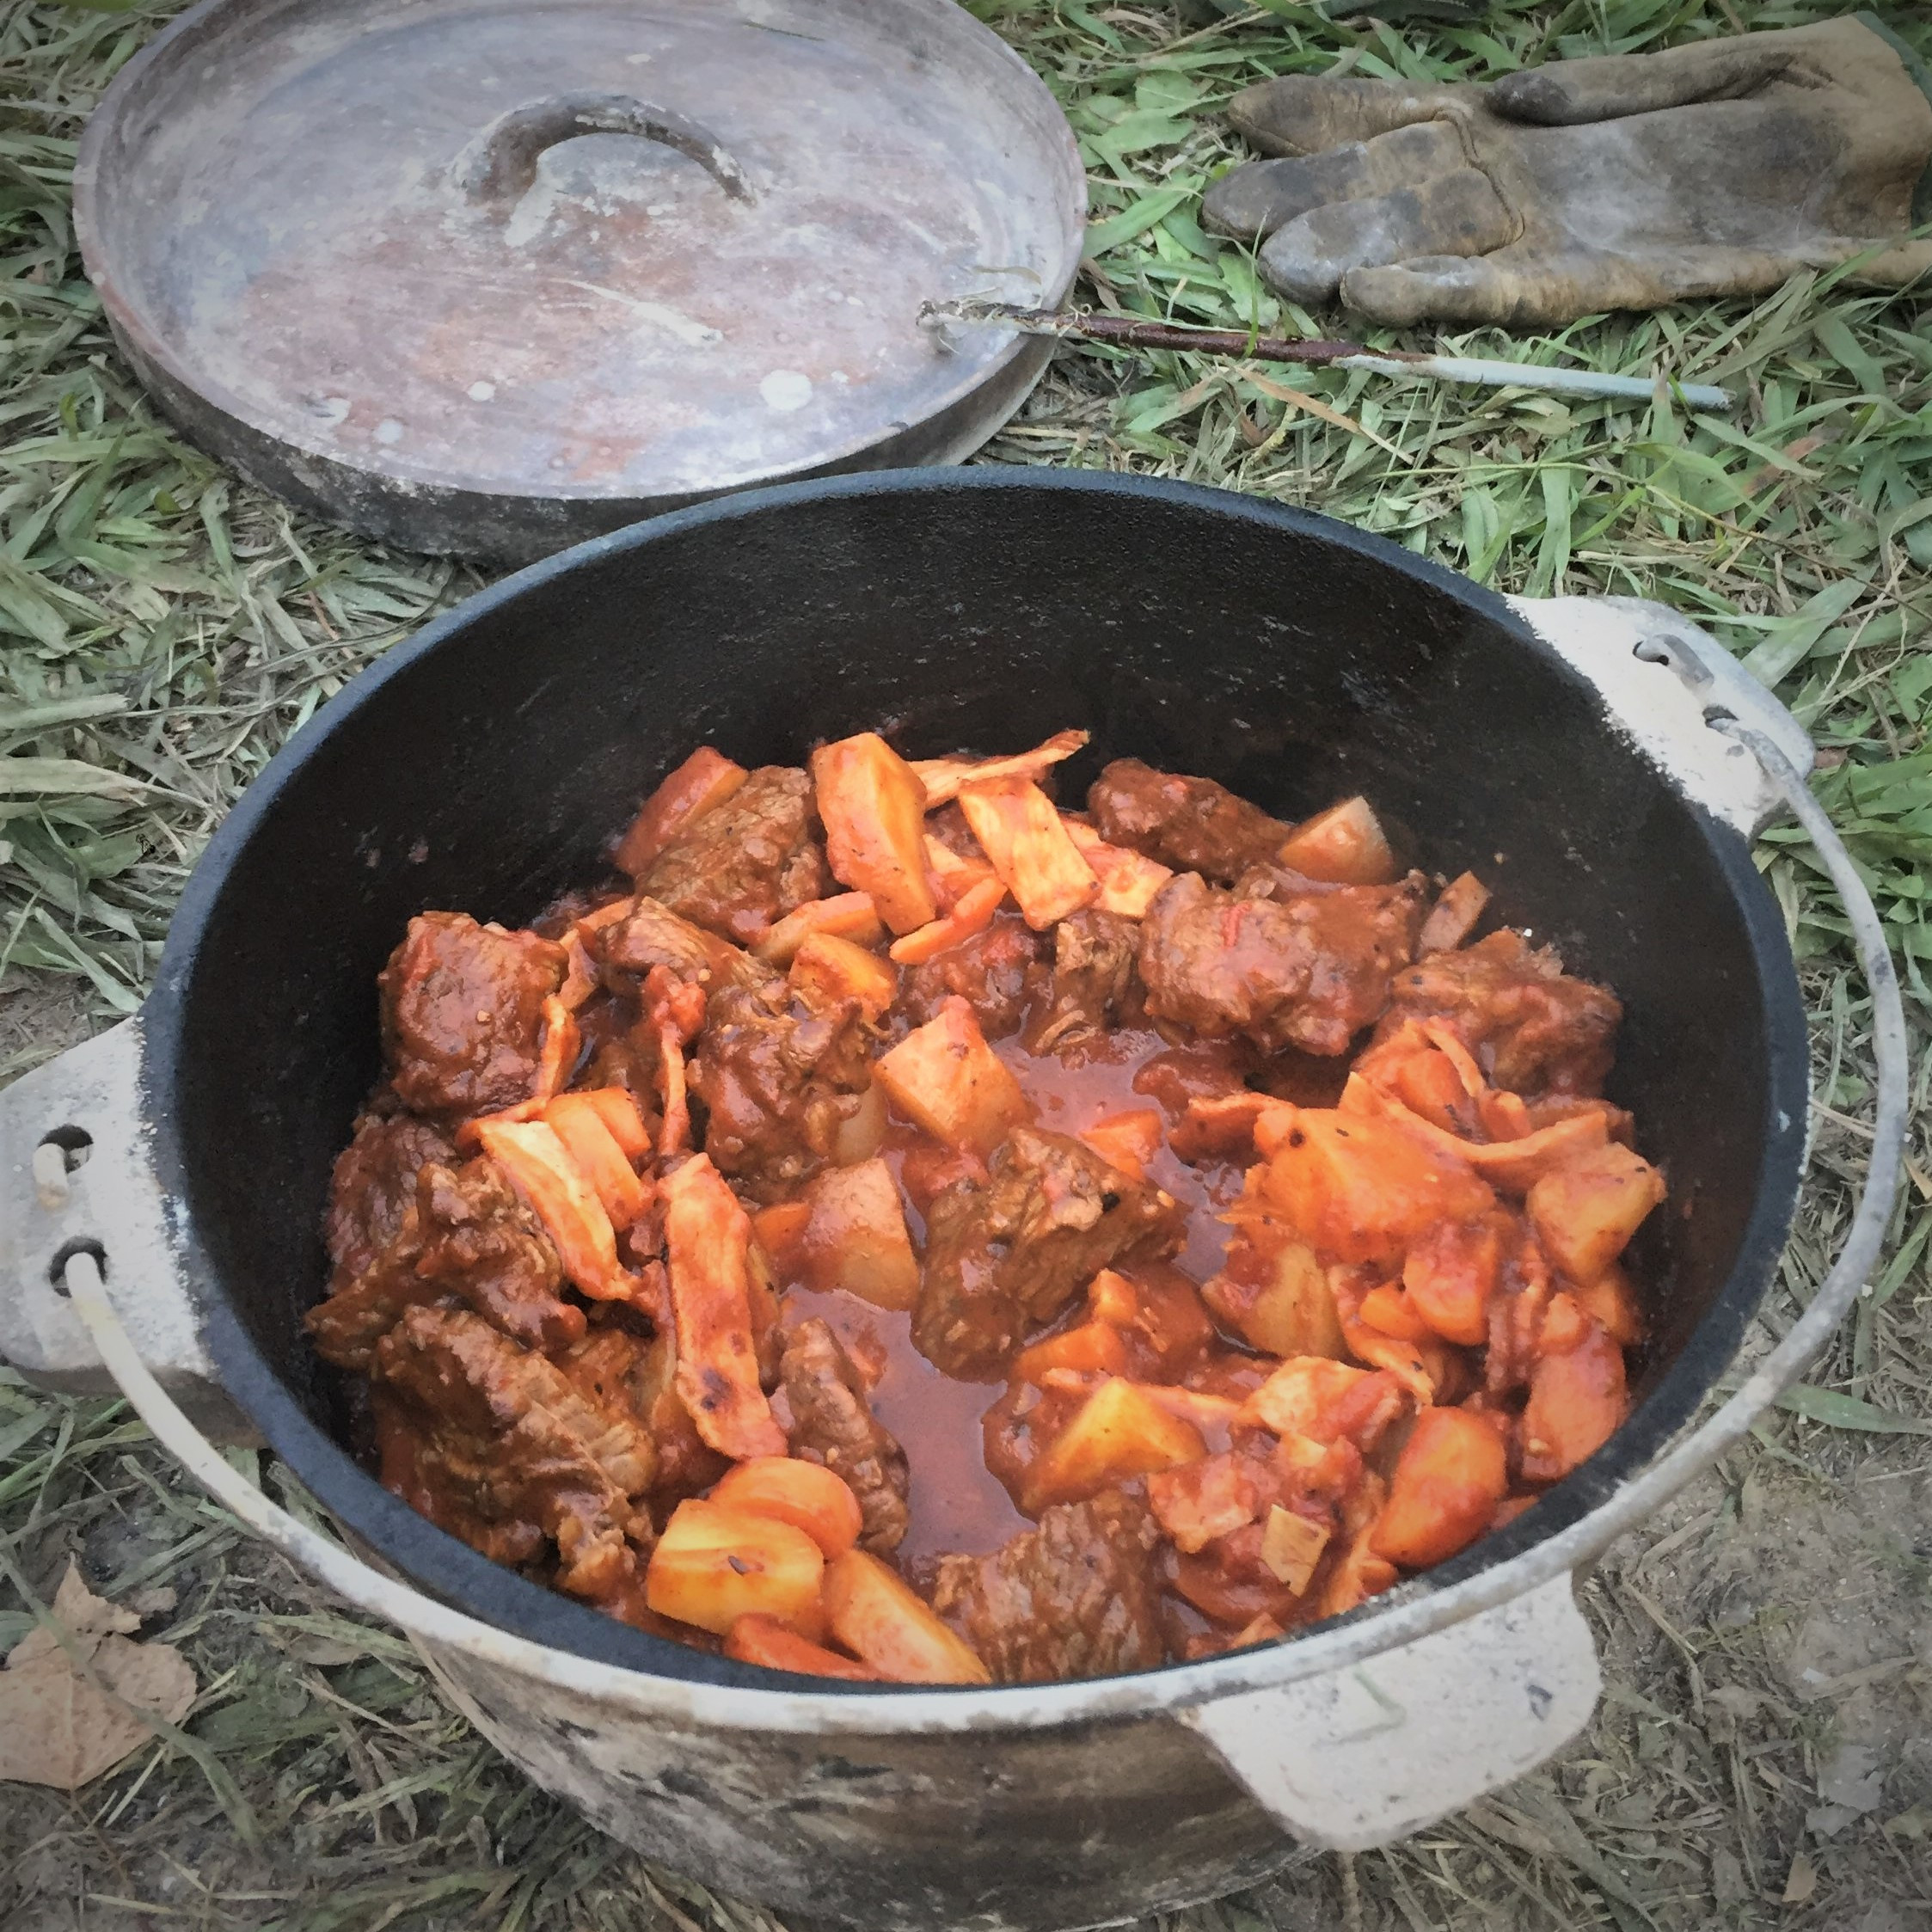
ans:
(481, 768)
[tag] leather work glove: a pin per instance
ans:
(1619, 182)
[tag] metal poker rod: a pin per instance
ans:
(1133, 332)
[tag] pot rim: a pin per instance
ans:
(1570, 1524)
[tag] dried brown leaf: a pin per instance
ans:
(69, 1715)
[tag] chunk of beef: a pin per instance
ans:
(832, 1423)
(465, 1236)
(462, 1011)
(1192, 824)
(776, 1087)
(1281, 960)
(1094, 984)
(374, 1185)
(652, 934)
(988, 971)
(747, 862)
(1005, 1256)
(635, 1377)
(498, 1446)
(1076, 1597)
(1533, 1028)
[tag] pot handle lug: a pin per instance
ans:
(1663, 680)
(1365, 1755)
(499, 167)
(76, 1176)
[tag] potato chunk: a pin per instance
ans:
(877, 1617)
(945, 1078)
(1274, 1294)
(1578, 1400)
(808, 1495)
(856, 1238)
(1120, 1432)
(714, 1564)
(1343, 846)
(874, 812)
(1451, 1474)
(849, 916)
(1586, 1212)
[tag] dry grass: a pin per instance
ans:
(1765, 1754)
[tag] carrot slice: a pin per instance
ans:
(578, 1124)
(536, 1164)
(756, 1639)
(827, 969)
(973, 913)
(942, 777)
(557, 1058)
(875, 812)
(875, 1615)
(1029, 844)
(808, 1495)
(707, 1236)
(944, 1077)
(1128, 880)
(847, 915)
(951, 874)
(1343, 846)
(619, 1112)
(706, 778)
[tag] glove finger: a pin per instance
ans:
(1534, 288)
(1261, 197)
(1607, 86)
(1431, 288)
(1459, 214)
(1304, 114)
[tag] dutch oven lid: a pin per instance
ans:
(607, 248)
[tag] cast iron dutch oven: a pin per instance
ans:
(1562, 749)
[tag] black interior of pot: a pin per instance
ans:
(483, 768)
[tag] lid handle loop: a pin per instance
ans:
(499, 167)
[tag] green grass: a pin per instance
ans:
(164, 628)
